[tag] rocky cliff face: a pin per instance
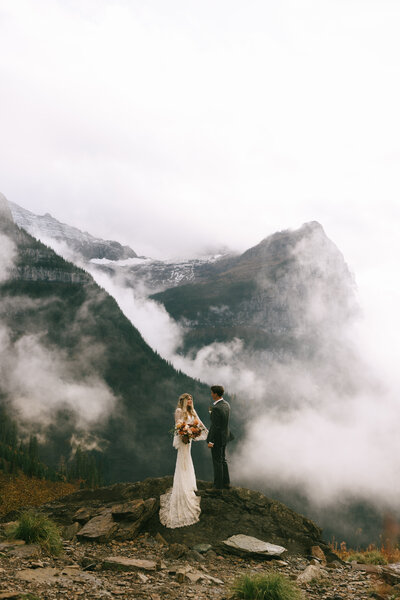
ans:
(84, 245)
(289, 288)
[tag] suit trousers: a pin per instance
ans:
(221, 472)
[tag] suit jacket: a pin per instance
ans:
(219, 433)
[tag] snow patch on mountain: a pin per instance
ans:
(45, 227)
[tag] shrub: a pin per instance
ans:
(371, 557)
(35, 528)
(273, 586)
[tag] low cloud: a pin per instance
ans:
(325, 423)
(40, 382)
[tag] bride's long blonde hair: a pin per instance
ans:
(183, 405)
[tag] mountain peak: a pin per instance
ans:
(312, 226)
(79, 243)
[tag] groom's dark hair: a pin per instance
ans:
(218, 389)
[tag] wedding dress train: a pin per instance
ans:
(180, 506)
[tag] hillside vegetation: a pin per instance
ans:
(59, 306)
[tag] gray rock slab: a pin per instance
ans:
(251, 545)
(122, 563)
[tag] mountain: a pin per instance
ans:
(277, 295)
(78, 242)
(74, 369)
(154, 275)
(111, 257)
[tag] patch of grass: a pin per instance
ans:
(273, 586)
(371, 557)
(34, 528)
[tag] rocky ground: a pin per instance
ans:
(115, 546)
(149, 568)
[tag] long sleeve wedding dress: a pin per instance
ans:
(180, 506)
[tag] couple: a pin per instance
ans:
(180, 506)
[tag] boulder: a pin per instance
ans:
(130, 511)
(309, 573)
(127, 530)
(132, 517)
(318, 553)
(121, 521)
(247, 545)
(100, 528)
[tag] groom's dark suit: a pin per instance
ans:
(219, 434)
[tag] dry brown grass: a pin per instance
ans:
(22, 491)
(391, 554)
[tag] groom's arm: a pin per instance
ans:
(215, 425)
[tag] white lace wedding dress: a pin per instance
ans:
(180, 506)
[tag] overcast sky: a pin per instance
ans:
(173, 126)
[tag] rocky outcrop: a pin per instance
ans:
(120, 522)
(121, 511)
(81, 243)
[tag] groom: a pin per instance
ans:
(218, 436)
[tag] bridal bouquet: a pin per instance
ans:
(188, 431)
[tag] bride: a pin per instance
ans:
(180, 506)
